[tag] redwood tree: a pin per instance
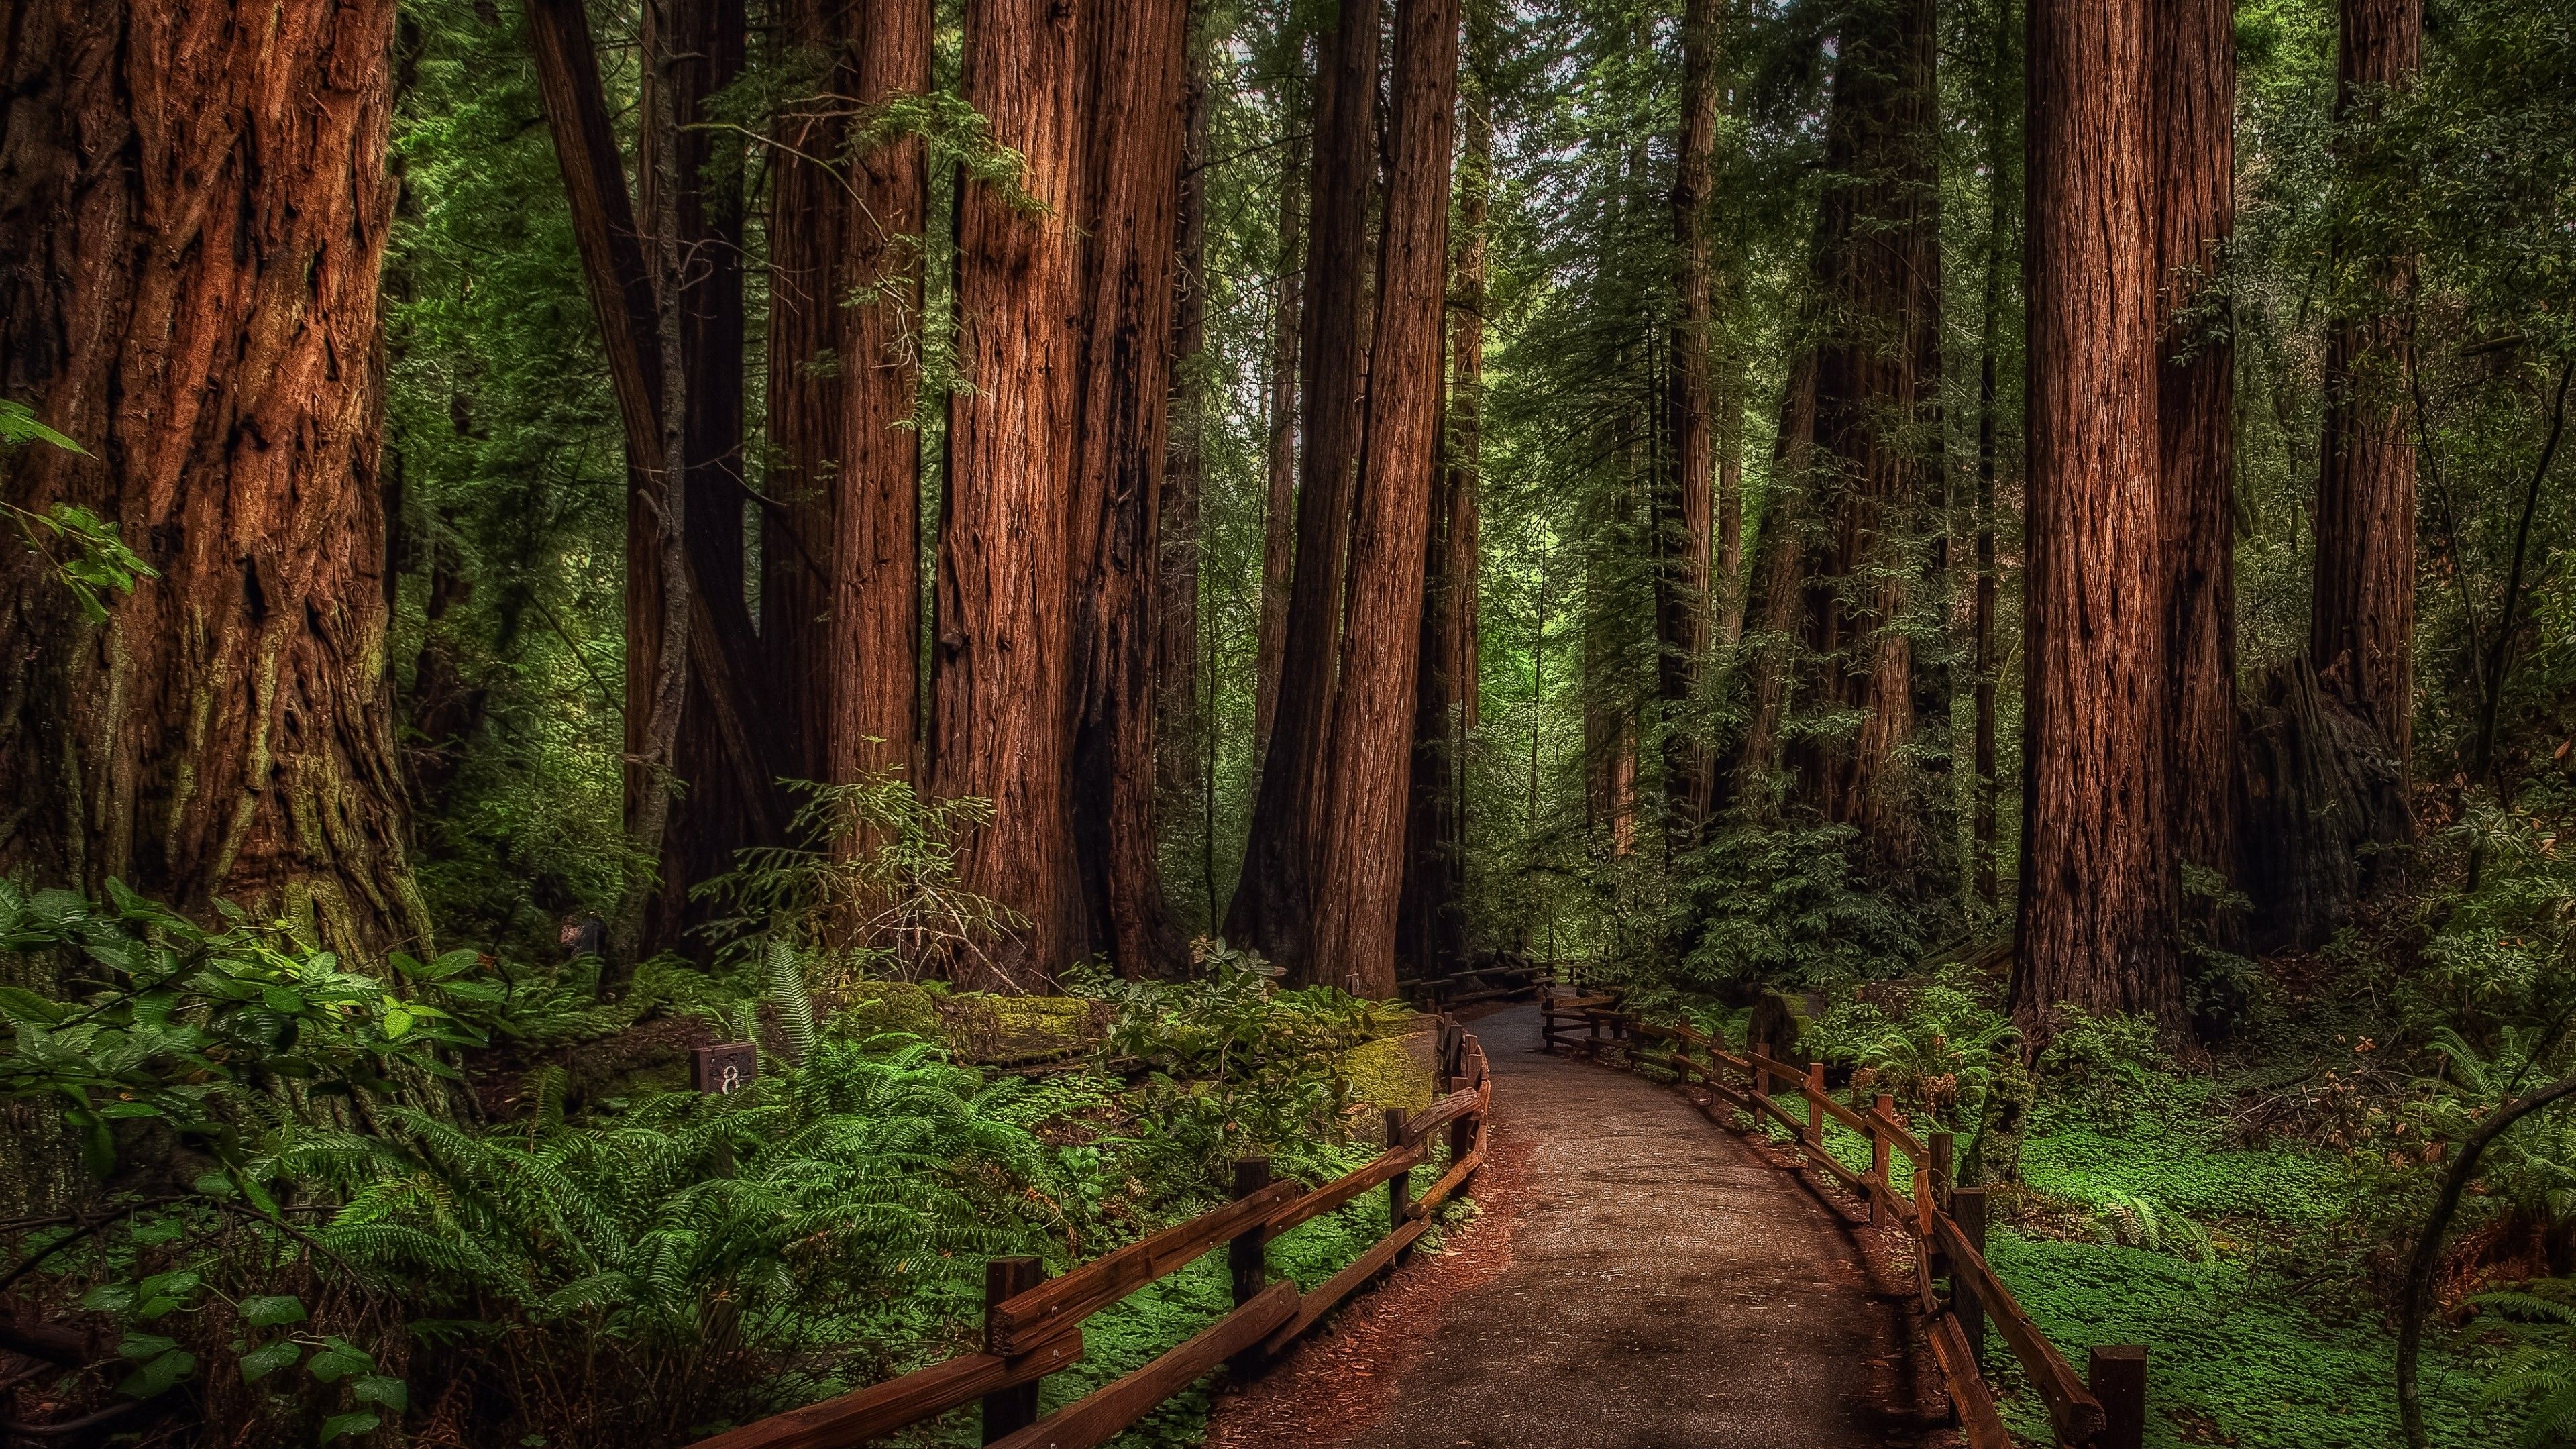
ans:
(193, 213)
(2098, 874)
(1273, 904)
(1362, 843)
(1684, 503)
(1004, 678)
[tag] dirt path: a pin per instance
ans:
(1639, 1279)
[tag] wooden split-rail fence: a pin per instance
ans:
(1947, 1224)
(1033, 1323)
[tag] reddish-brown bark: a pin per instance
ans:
(1279, 505)
(1684, 503)
(840, 584)
(2194, 97)
(2098, 873)
(2361, 618)
(1179, 751)
(1372, 734)
(1004, 677)
(1273, 907)
(193, 210)
(1128, 216)
(1433, 933)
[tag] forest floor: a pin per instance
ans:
(1636, 1278)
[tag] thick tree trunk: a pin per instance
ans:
(1005, 679)
(1279, 506)
(2325, 797)
(1179, 759)
(2361, 620)
(193, 213)
(1877, 394)
(1363, 843)
(2194, 98)
(840, 577)
(1138, 52)
(1776, 597)
(2098, 892)
(2002, 86)
(1433, 935)
(1274, 908)
(1684, 505)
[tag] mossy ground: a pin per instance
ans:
(2238, 1354)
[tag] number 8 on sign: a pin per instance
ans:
(725, 1069)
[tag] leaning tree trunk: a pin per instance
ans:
(2194, 101)
(192, 217)
(1684, 501)
(1138, 50)
(1004, 677)
(2097, 892)
(1180, 761)
(1274, 907)
(1279, 462)
(1363, 842)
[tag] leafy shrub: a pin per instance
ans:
(2101, 1068)
(1938, 1053)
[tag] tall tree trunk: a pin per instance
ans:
(2097, 892)
(1133, 152)
(192, 220)
(2361, 620)
(1274, 906)
(714, 816)
(1178, 756)
(2194, 67)
(1877, 389)
(1279, 503)
(1684, 511)
(840, 575)
(1776, 598)
(1434, 936)
(1004, 680)
(1363, 839)
(2002, 87)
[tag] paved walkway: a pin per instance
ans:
(1666, 1286)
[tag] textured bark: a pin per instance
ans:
(1274, 906)
(1128, 216)
(1004, 677)
(2325, 796)
(1180, 758)
(2097, 891)
(1279, 505)
(193, 208)
(1372, 735)
(1685, 504)
(2194, 98)
(1433, 935)
(1775, 598)
(1877, 391)
(2361, 620)
(840, 578)
(2001, 87)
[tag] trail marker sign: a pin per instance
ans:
(725, 1068)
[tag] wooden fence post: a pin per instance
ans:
(1816, 1105)
(2118, 1377)
(1941, 1159)
(1014, 1408)
(1246, 1258)
(1879, 1145)
(1761, 1078)
(1399, 1188)
(1968, 1210)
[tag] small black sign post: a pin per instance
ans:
(724, 1068)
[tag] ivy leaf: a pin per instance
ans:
(259, 1363)
(157, 1376)
(272, 1311)
(337, 1361)
(358, 1423)
(383, 1389)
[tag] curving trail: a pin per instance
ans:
(1640, 1279)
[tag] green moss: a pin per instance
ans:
(1002, 1030)
(1393, 1071)
(878, 1007)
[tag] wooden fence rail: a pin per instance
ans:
(1033, 1323)
(1947, 1224)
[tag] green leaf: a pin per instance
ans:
(454, 963)
(157, 1376)
(140, 1346)
(359, 1423)
(18, 425)
(339, 1360)
(259, 1363)
(19, 1004)
(272, 1311)
(397, 1021)
(281, 1000)
(383, 1389)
